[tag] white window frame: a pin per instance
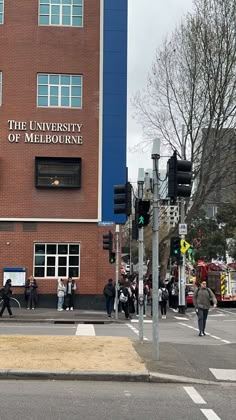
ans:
(61, 4)
(57, 256)
(1, 23)
(59, 86)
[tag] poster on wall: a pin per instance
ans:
(16, 274)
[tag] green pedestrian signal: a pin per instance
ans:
(142, 216)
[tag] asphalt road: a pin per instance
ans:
(59, 400)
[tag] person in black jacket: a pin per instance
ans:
(6, 294)
(109, 293)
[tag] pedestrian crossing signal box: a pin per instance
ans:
(142, 217)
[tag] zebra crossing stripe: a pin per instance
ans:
(85, 330)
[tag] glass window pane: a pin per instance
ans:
(51, 249)
(43, 101)
(54, 90)
(39, 260)
(66, 20)
(55, 20)
(55, 10)
(43, 90)
(42, 79)
(65, 91)
(66, 1)
(62, 249)
(76, 102)
(55, 1)
(62, 261)
(51, 271)
(79, 2)
(62, 272)
(39, 272)
(39, 249)
(77, 21)
(77, 11)
(44, 1)
(53, 101)
(44, 10)
(74, 260)
(65, 80)
(66, 10)
(73, 271)
(74, 249)
(54, 79)
(51, 261)
(76, 91)
(76, 80)
(65, 101)
(44, 20)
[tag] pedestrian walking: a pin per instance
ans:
(163, 299)
(109, 294)
(6, 293)
(126, 298)
(70, 292)
(61, 289)
(203, 297)
(32, 295)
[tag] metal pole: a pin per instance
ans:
(130, 245)
(155, 250)
(117, 269)
(140, 259)
(182, 276)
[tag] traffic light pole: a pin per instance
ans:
(155, 250)
(140, 259)
(117, 270)
(182, 277)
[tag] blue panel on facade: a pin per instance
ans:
(115, 5)
(114, 104)
(114, 84)
(115, 41)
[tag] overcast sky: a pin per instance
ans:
(149, 22)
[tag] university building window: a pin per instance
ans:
(1, 11)
(57, 172)
(0, 87)
(59, 90)
(56, 260)
(61, 12)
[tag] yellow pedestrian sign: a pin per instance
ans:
(184, 246)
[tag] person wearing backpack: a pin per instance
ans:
(163, 299)
(109, 292)
(202, 299)
(6, 295)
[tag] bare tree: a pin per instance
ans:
(193, 83)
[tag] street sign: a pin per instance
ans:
(182, 229)
(184, 246)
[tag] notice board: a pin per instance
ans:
(16, 274)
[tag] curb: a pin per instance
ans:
(62, 321)
(150, 377)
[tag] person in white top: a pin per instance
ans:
(61, 288)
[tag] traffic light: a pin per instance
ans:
(141, 213)
(175, 250)
(134, 230)
(108, 246)
(112, 257)
(123, 199)
(179, 177)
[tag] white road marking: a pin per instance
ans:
(194, 395)
(180, 317)
(85, 329)
(224, 374)
(210, 414)
(215, 315)
(145, 321)
(207, 334)
(136, 331)
(228, 312)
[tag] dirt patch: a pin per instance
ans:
(57, 353)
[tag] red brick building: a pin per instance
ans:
(63, 140)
